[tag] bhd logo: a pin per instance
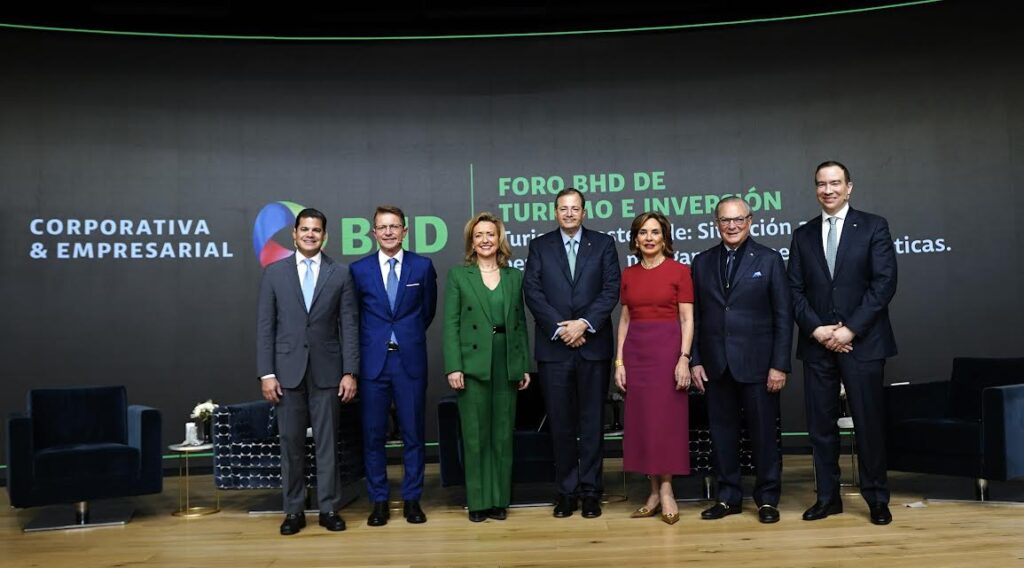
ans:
(271, 220)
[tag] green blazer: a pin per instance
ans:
(467, 324)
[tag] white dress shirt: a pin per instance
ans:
(840, 219)
(383, 259)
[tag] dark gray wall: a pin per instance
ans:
(923, 104)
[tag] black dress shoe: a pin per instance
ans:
(720, 510)
(380, 514)
(820, 510)
(880, 514)
(565, 506)
(768, 514)
(478, 516)
(293, 523)
(591, 507)
(332, 522)
(413, 513)
(498, 513)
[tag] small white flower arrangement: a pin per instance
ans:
(204, 410)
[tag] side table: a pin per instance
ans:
(185, 507)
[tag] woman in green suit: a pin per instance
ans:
(486, 359)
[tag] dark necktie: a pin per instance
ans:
(730, 265)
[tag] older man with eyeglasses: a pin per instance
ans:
(397, 294)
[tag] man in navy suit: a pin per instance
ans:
(306, 357)
(397, 295)
(842, 271)
(571, 284)
(744, 326)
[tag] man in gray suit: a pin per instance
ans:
(307, 353)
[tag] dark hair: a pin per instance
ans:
(666, 232)
(504, 250)
(830, 164)
(570, 191)
(310, 213)
(392, 209)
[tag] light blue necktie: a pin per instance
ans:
(308, 284)
(392, 289)
(831, 246)
(572, 258)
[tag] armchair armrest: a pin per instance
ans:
(144, 433)
(246, 421)
(449, 438)
(1002, 418)
(922, 400)
(19, 459)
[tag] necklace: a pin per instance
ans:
(653, 265)
(482, 269)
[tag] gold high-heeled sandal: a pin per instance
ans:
(644, 512)
(670, 518)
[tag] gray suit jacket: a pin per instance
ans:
(288, 339)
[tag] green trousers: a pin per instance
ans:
(487, 411)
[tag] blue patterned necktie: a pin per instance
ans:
(831, 246)
(308, 284)
(392, 289)
(572, 258)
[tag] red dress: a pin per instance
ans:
(656, 439)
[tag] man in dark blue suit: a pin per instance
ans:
(744, 326)
(397, 294)
(842, 271)
(306, 357)
(571, 284)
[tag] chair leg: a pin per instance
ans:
(709, 483)
(981, 489)
(82, 512)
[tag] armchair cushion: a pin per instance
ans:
(946, 437)
(82, 463)
(972, 375)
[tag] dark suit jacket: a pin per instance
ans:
(414, 310)
(554, 296)
(468, 322)
(858, 295)
(288, 339)
(750, 330)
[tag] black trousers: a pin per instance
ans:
(725, 399)
(574, 395)
(864, 394)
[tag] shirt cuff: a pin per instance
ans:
(590, 328)
(270, 376)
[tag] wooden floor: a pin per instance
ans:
(933, 535)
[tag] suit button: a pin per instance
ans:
(474, 326)
(474, 346)
(469, 308)
(727, 308)
(305, 346)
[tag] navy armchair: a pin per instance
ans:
(969, 426)
(80, 444)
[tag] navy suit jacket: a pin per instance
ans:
(750, 330)
(288, 339)
(553, 295)
(859, 293)
(414, 310)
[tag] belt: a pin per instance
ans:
(497, 329)
(392, 346)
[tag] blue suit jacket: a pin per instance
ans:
(749, 331)
(414, 310)
(553, 296)
(288, 339)
(859, 293)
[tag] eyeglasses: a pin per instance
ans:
(738, 221)
(393, 228)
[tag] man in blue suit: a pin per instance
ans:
(571, 284)
(397, 294)
(744, 326)
(306, 357)
(842, 271)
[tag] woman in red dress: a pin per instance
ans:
(652, 363)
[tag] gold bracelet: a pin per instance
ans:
(687, 355)
(619, 363)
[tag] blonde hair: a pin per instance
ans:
(504, 250)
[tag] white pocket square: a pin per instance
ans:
(413, 284)
(756, 274)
